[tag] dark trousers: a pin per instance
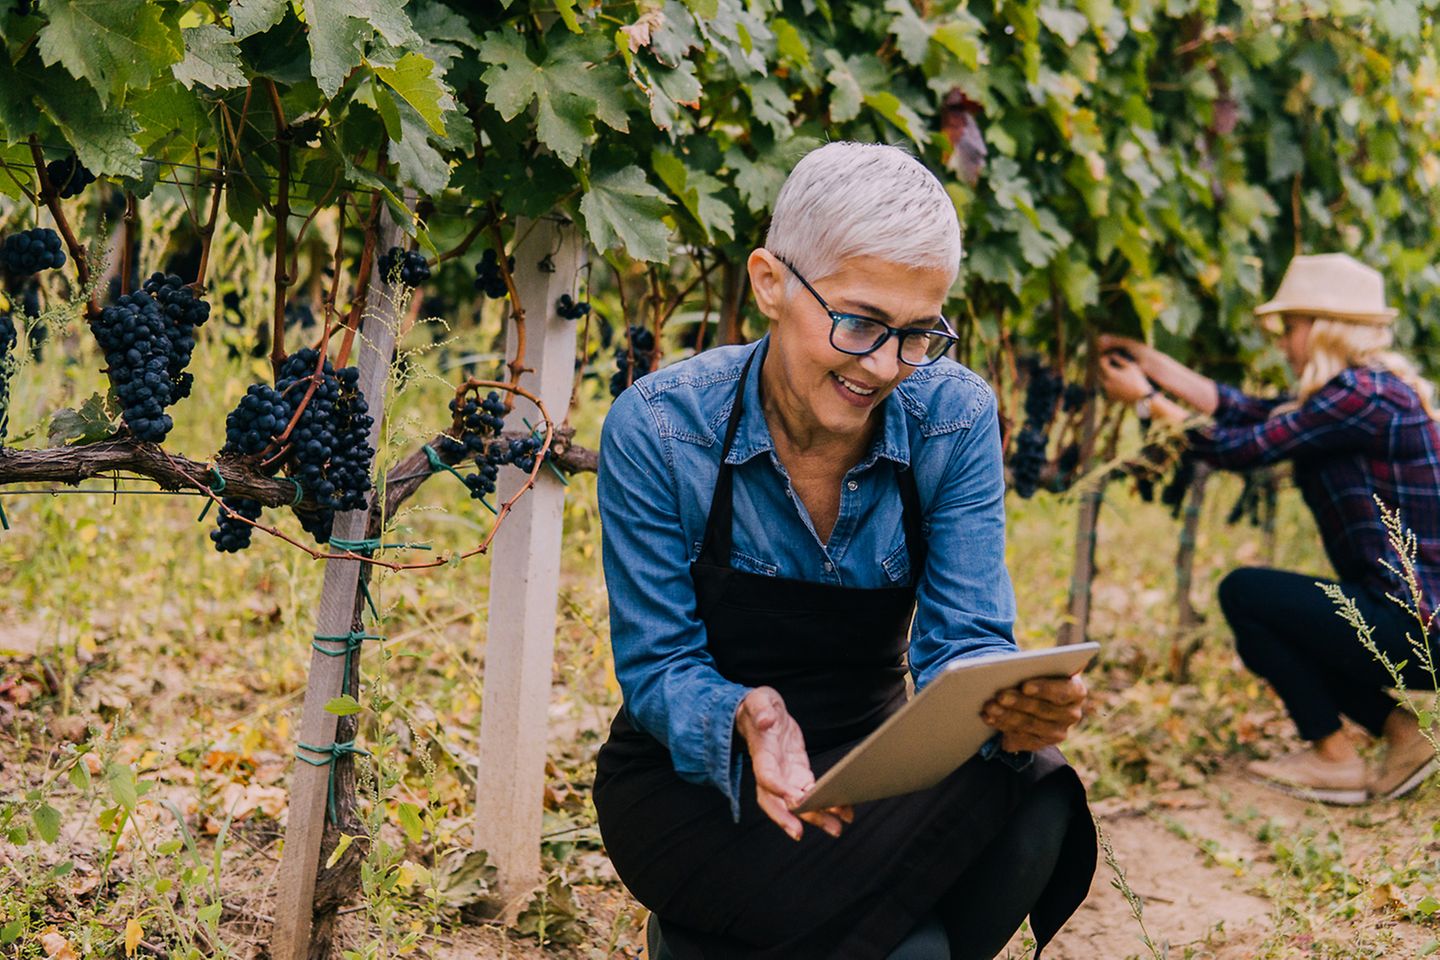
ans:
(1289, 632)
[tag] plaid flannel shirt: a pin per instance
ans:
(1363, 435)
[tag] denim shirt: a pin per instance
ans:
(659, 458)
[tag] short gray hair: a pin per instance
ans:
(849, 199)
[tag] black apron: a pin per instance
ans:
(836, 655)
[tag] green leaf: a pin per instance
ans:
(566, 9)
(704, 8)
(897, 112)
(1070, 25)
(698, 192)
(912, 34)
(569, 92)
(212, 58)
(123, 787)
(410, 822)
(413, 78)
(771, 105)
(210, 914)
(420, 164)
(846, 98)
(47, 822)
(102, 136)
(340, 847)
(249, 17)
(173, 845)
(668, 90)
(89, 424)
(1427, 907)
(336, 41)
(623, 209)
(79, 775)
(343, 706)
(789, 44)
(113, 44)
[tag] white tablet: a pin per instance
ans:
(939, 729)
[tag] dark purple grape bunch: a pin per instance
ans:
(8, 338)
(231, 534)
(1074, 398)
(570, 309)
(31, 251)
(481, 423)
(261, 415)
(488, 278)
(148, 340)
(184, 311)
(1175, 491)
(1043, 390)
(299, 316)
(409, 266)
(330, 445)
(639, 344)
(68, 176)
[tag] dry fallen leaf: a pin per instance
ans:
(56, 947)
(133, 934)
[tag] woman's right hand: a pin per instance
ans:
(781, 765)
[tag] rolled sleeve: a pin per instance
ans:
(671, 687)
(965, 603)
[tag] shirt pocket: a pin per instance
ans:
(749, 564)
(897, 564)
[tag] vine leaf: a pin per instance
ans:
(212, 58)
(623, 209)
(249, 17)
(698, 192)
(114, 44)
(339, 30)
(102, 136)
(570, 93)
(413, 78)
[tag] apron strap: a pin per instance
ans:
(912, 517)
(715, 547)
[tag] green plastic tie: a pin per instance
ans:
(352, 643)
(299, 492)
(330, 754)
(218, 487)
(4, 520)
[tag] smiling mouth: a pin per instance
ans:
(853, 387)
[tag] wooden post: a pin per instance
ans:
(1077, 621)
(525, 581)
(310, 785)
(1185, 641)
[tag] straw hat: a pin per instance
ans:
(1335, 286)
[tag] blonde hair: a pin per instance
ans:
(1336, 345)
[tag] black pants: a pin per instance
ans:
(1289, 632)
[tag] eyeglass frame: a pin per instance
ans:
(947, 333)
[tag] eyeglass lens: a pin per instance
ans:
(857, 335)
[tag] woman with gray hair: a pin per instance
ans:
(786, 523)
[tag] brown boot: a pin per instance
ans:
(1309, 776)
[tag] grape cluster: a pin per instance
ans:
(68, 176)
(1074, 398)
(1174, 492)
(1257, 500)
(148, 338)
(262, 413)
(31, 251)
(184, 311)
(231, 535)
(412, 266)
(640, 343)
(299, 315)
(571, 309)
(331, 441)
(488, 279)
(481, 424)
(8, 338)
(1043, 390)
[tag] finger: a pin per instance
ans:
(1065, 713)
(1020, 743)
(825, 820)
(1015, 721)
(778, 811)
(1056, 689)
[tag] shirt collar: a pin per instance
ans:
(752, 436)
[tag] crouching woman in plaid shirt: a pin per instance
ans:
(1361, 425)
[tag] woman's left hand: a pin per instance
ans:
(1038, 713)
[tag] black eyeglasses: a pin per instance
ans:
(856, 335)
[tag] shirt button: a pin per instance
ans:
(829, 567)
(852, 485)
